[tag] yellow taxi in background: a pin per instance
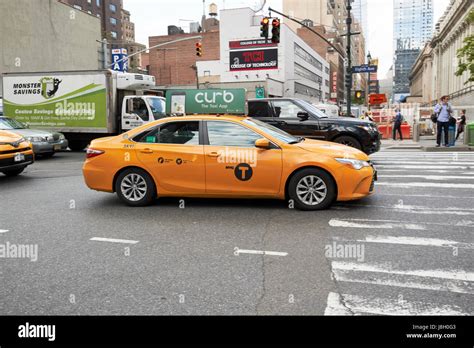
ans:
(15, 153)
(225, 157)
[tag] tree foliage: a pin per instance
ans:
(466, 53)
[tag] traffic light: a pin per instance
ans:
(276, 31)
(359, 94)
(264, 27)
(199, 49)
(348, 79)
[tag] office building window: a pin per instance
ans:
(307, 74)
(113, 8)
(114, 34)
(302, 53)
(113, 20)
(97, 2)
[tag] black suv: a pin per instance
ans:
(300, 118)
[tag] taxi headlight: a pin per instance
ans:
(354, 163)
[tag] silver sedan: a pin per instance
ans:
(45, 143)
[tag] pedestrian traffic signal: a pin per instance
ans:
(264, 27)
(276, 31)
(199, 49)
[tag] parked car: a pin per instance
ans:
(16, 153)
(45, 143)
(226, 157)
(301, 118)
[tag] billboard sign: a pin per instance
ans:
(57, 100)
(243, 44)
(206, 101)
(264, 59)
(120, 59)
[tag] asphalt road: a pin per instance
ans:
(408, 249)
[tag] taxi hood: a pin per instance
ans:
(8, 137)
(332, 149)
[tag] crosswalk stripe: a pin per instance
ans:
(347, 304)
(407, 240)
(434, 273)
(430, 177)
(391, 224)
(425, 184)
(389, 280)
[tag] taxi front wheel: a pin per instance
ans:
(312, 189)
(135, 187)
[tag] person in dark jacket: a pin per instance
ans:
(397, 125)
(462, 123)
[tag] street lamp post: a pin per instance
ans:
(369, 59)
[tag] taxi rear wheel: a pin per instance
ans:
(312, 189)
(135, 187)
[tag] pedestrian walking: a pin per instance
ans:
(397, 125)
(442, 114)
(462, 123)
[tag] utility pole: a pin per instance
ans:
(349, 61)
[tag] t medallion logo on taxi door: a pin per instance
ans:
(243, 171)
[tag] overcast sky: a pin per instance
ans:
(152, 17)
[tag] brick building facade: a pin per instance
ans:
(174, 64)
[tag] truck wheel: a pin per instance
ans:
(77, 145)
(13, 172)
(349, 141)
(135, 187)
(312, 189)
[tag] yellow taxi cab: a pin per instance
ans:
(225, 157)
(15, 153)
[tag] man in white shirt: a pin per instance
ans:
(444, 110)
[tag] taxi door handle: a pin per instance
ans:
(147, 150)
(213, 154)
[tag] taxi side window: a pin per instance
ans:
(222, 133)
(172, 133)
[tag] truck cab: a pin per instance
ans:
(139, 110)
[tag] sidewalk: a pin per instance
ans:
(426, 143)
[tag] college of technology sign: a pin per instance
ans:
(119, 59)
(259, 59)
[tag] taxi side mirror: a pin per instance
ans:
(262, 143)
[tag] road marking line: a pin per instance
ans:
(425, 184)
(428, 196)
(424, 171)
(404, 240)
(412, 209)
(368, 224)
(113, 240)
(238, 251)
(459, 287)
(353, 304)
(3, 231)
(430, 177)
(421, 166)
(434, 273)
(365, 223)
(386, 163)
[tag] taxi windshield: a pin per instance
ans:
(10, 123)
(273, 131)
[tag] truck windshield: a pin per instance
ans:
(9, 123)
(157, 106)
(311, 108)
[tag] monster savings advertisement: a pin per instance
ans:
(56, 101)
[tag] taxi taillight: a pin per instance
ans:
(90, 153)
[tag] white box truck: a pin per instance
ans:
(83, 105)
